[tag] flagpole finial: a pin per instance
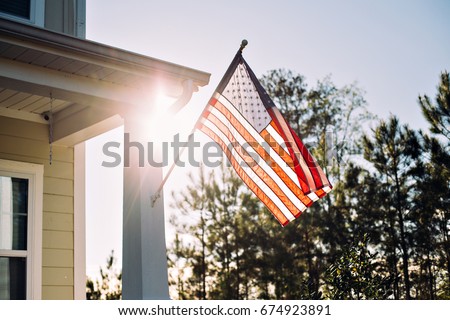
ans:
(243, 45)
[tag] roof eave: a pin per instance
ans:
(97, 53)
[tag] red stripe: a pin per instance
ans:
(297, 167)
(312, 165)
(273, 208)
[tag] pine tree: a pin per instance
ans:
(432, 200)
(193, 203)
(398, 198)
(392, 153)
(438, 115)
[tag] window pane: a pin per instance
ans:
(13, 278)
(19, 8)
(13, 213)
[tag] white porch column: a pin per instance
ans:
(144, 247)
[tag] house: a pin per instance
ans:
(58, 90)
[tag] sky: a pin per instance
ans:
(394, 50)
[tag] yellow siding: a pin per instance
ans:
(62, 258)
(56, 203)
(58, 221)
(57, 292)
(28, 142)
(57, 239)
(57, 186)
(57, 277)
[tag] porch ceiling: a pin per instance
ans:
(26, 102)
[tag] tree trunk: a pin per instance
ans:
(430, 276)
(310, 264)
(393, 267)
(203, 285)
(405, 255)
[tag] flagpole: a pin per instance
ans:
(157, 194)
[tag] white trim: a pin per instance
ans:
(14, 253)
(79, 281)
(35, 174)
(37, 14)
(80, 19)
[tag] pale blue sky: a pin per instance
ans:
(395, 50)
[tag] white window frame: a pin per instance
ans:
(35, 175)
(37, 14)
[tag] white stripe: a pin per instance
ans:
(255, 134)
(286, 190)
(252, 175)
(326, 189)
(277, 137)
(313, 196)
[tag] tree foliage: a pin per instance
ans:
(110, 286)
(384, 231)
(438, 114)
(356, 274)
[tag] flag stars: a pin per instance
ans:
(243, 94)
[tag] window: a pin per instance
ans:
(20, 230)
(18, 8)
(27, 11)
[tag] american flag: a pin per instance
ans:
(261, 146)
